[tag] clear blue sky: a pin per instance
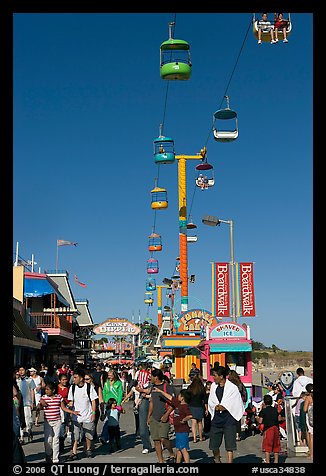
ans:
(88, 102)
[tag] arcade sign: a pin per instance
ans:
(117, 327)
(194, 320)
(228, 329)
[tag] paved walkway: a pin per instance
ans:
(248, 449)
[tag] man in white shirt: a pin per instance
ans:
(300, 383)
(82, 398)
(26, 386)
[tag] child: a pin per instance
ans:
(51, 403)
(268, 416)
(111, 426)
(181, 415)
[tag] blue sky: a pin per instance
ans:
(88, 102)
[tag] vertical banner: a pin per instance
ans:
(222, 286)
(247, 289)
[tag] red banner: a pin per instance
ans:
(222, 290)
(247, 289)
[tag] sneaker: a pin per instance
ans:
(103, 441)
(259, 42)
(145, 451)
(285, 40)
(273, 41)
(89, 454)
(276, 40)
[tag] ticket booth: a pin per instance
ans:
(228, 344)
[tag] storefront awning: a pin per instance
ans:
(230, 347)
(41, 286)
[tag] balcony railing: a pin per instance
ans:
(40, 320)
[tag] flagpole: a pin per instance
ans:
(56, 263)
(16, 260)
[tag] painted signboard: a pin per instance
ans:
(194, 320)
(227, 330)
(116, 327)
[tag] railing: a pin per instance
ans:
(54, 321)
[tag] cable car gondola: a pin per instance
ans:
(148, 299)
(227, 114)
(164, 150)
(203, 181)
(175, 62)
(159, 198)
(154, 242)
(150, 284)
(265, 36)
(152, 266)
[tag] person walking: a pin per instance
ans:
(158, 416)
(269, 417)
(207, 416)
(82, 398)
(198, 407)
(111, 428)
(113, 387)
(181, 415)
(63, 390)
(308, 409)
(39, 386)
(300, 382)
(226, 408)
(26, 386)
(194, 372)
(89, 378)
(52, 403)
(234, 377)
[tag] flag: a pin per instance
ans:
(65, 242)
(83, 285)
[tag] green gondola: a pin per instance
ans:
(175, 61)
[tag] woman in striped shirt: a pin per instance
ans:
(51, 403)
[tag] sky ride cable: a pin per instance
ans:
(225, 93)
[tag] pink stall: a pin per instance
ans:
(227, 343)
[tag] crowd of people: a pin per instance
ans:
(73, 403)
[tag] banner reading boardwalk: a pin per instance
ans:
(247, 289)
(222, 290)
(116, 327)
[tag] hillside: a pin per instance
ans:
(268, 359)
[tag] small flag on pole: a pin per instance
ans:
(83, 285)
(65, 242)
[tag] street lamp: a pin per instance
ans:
(214, 221)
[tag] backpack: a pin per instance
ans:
(73, 387)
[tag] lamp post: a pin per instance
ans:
(214, 221)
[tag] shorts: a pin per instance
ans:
(81, 429)
(216, 437)
(271, 440)
(159, 429)
(182, 441)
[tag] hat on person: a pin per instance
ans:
(32, 369)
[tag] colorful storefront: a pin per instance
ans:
(227, 343)
(189, 331)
